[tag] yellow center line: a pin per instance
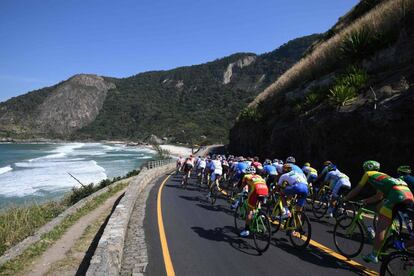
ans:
(338, 256)
(169, 268)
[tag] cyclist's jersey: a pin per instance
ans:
(334, 176)
(257, 187)
(241, 167)
(309, 171)
(381, 181)
(279, 167)
(180, 161)
(298, 170)
(409, 179)
(216, 167)
(202, 164)
(234, 166)
(270, 170)
(257, 165)
(189, 161)
(292, 178)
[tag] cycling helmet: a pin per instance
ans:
(404, 169)
(291, 159)
(267, 162)
(327, 163)
(287, 167)
(276, 161)
(307, 164)
(250, 170)
(332, 167)
(371, 165)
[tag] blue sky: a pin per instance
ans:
(44, 42)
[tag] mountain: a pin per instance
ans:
(350, 99)
(196, 103)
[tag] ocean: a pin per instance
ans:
(40, 172)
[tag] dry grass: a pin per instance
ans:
(386, 16)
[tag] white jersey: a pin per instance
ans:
(292, 178)
(333, 177)
(216, 167)
(202, 164)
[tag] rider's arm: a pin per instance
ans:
(355, 191)
(374, 199)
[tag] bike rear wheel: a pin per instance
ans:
(397, 263)
(320, 205)
(301, 236)
(239, 218)
(261, 231)
(348, 237)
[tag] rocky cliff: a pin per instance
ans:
(351, 99)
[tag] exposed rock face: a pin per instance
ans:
(73, 105)
(67, 107)
(243, 62)
(366, 129)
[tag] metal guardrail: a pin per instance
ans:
(159, 163)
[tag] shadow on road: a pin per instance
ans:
(227, 234)
(312, 255)
(216, 208)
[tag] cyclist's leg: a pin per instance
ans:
(302, 193)
(398, 195)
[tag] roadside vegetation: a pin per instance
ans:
(49, 238)
(376, 30)
(17, 223)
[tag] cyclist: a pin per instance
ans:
(216, 173)
(188, 166)
(226, 166)
(310, 173)
(322, 175)
(395, 195)
(257, 189)
(404, 173)
(291, 160)
(257, 165)
(338, 182)
(179, 164)
(296, 184)
(201, 168)
(270, 172)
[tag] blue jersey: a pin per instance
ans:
(241, 167)
(409, 179)
(270, 169)
(297, 170)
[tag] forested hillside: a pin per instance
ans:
(189, 104)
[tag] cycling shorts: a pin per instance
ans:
(259, 190)
(299, 189)
(341, 183)
(188, 167)
(312, 178)
(215, 176)
(399, 195)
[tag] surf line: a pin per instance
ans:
(169, 268)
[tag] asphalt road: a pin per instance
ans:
(202, 241)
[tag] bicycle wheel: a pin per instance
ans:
(320, 206)
(261, 231)
(239, 218)
(397, 263)
(348, 237)
(213, 195)
(275, 217)
(301, 236)
(344, 209)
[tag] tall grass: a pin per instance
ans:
(17, 223)
(386, 18)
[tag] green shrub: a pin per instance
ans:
(355, 77)
(357, 45)
(341, 94)
(250, 114)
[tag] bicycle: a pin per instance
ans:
(259, 225)
(397, 264)
(297, 226)
(351, 233)
(321, 205)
